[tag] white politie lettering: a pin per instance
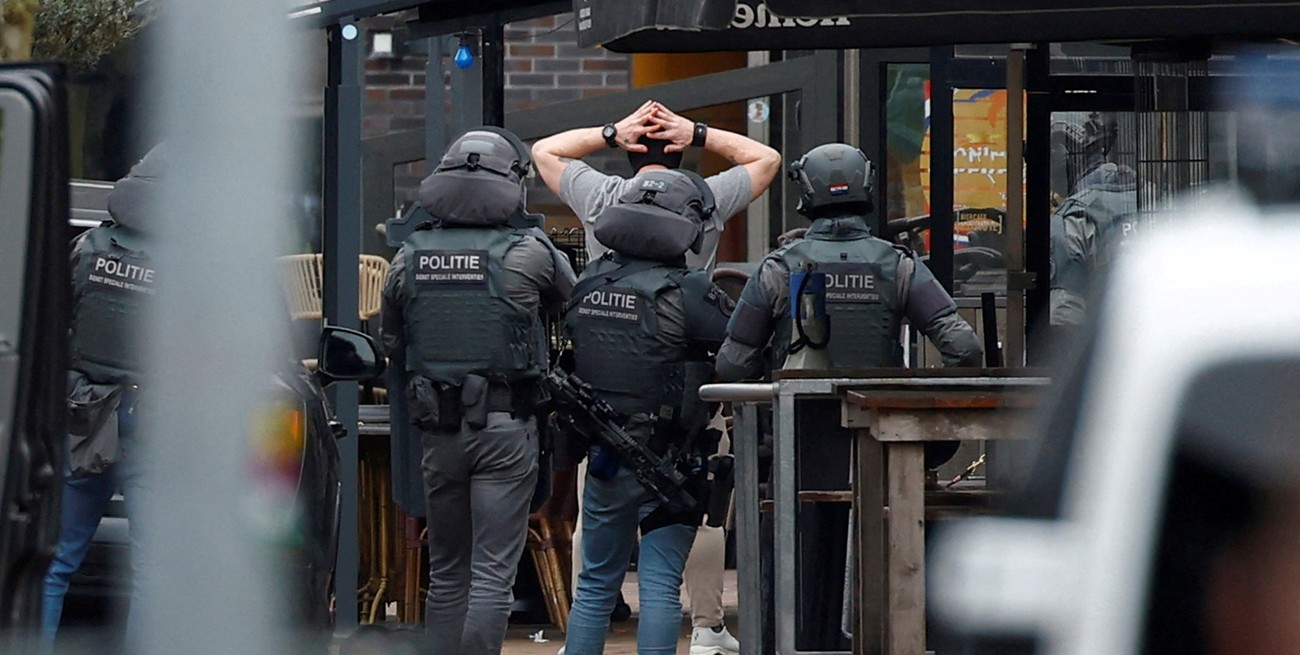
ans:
(441, 261)
(611, 299)
(850, 281)
(120, 269)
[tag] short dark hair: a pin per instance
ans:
(654, 154)
(841, 209)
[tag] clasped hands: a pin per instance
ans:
(657, 122)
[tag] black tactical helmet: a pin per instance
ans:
(1080, 143)
(681, 192)
(487, 147)
(480, 180)
(660, 216)
(833, 174)
(1093, 134)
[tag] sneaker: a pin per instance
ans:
(713, 641)
(561, 651)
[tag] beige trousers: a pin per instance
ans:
(704, 568)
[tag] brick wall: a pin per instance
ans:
(543, 65)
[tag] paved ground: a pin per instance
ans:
(622, 639)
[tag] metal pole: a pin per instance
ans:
(1015, 225)
(822, 108)
(871, 131)
(758, 230)
(435, 104)
(785, 493)
(852, 97)
(941, 174)
(342, 248)
(1038, 183)
(494, 73)
(749, 573)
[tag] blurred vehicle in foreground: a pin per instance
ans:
(1151, 523)
(34, 304)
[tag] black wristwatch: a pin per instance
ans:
(610, 134)
(701, 133)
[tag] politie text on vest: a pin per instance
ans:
(607, 303)
(122, 275)
(451, 266)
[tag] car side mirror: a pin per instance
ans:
(347, 355)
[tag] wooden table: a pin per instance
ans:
(892, 415)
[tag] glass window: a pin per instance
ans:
(979, 171)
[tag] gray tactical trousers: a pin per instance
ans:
(477, 485)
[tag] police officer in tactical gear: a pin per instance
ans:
(113, 282)
(1098, 213)
(643, 326)
(461, 308)
(872, 285)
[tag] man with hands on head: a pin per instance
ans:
(655, 138)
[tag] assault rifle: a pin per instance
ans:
(594, 420)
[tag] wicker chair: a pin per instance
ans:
(303, 275)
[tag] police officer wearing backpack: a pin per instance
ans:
(1095, 218)
(835, 182)
(461, 309)
(871, 286)
(643, 326)
(113, 283)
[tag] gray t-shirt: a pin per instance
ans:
(588, 191)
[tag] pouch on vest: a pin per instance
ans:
(432, 407)
(695, 413)
(93, 436)
(471, 198)
(647, 231)
(473, 397)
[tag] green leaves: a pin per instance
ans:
(80, 32)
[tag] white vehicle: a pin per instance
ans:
(1181, 416)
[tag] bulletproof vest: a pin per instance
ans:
(1112, 212)
(617, 341)
(861, 296)
(459, 318)
(112, 284)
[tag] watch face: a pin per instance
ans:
(609, 132)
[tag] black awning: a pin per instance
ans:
(600, 21)
(323, 13)
(899, 23)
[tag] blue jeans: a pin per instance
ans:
(85, 499)
(611, 513)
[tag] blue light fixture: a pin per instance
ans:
(464, 56)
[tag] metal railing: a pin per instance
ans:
(745, 399)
